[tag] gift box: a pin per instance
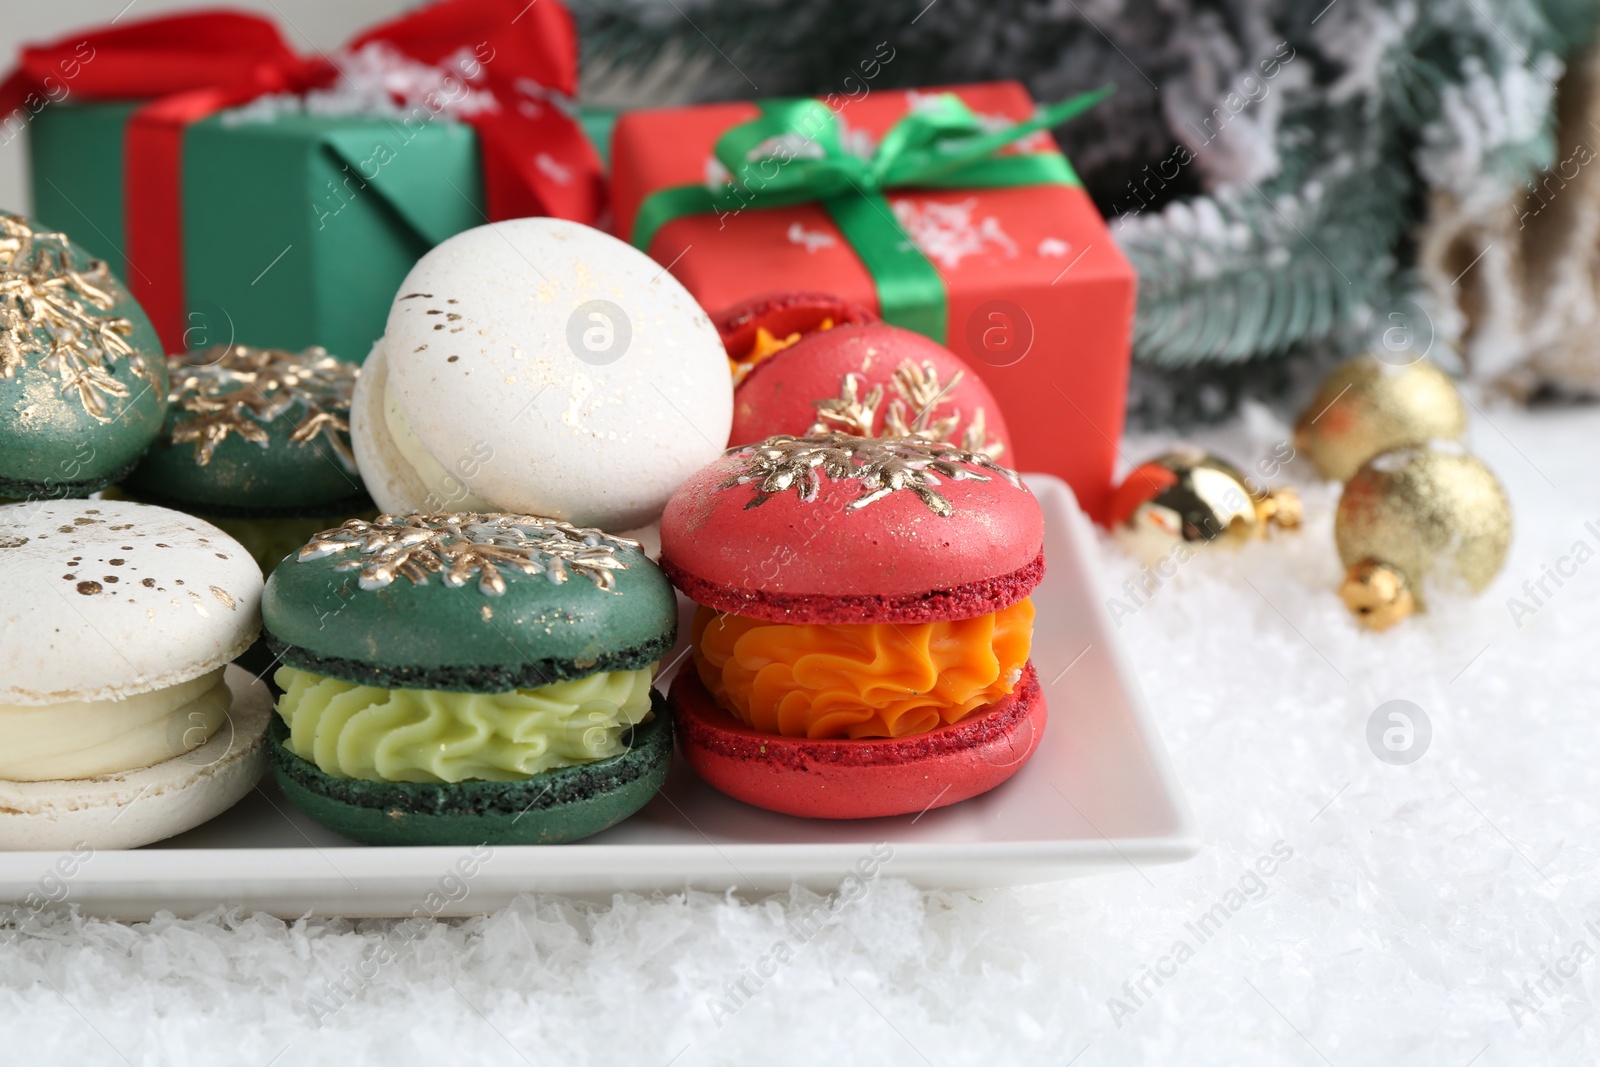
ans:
(949, 211)
(311, 260)
(251, 194)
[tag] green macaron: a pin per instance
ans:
(557, 806)
(457, 679)
(256, 440)
(83, 387)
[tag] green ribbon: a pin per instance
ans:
(794, 153)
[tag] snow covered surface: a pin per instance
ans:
(1442, 912)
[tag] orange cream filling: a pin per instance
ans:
(861, 679)
(765, 347)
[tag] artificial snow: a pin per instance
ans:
(1444, 912)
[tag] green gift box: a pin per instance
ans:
(297, 229)
(251, 194)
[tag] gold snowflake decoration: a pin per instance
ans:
(49, 312)
(913, 412)
(239, 389)
(883, 465)
(457, 546)
(849, 412)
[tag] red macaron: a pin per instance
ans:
(862, 644)
(784, 316)
(810, 363)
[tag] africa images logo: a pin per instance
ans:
(1141, 989)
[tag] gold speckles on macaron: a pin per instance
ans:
(108, 599)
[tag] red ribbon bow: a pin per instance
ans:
(194, 65)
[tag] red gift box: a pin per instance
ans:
(1039, 298)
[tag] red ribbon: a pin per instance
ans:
(536, 159)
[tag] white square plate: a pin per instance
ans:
(1098, 793)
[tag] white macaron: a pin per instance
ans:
(117, 725)
(542, 367)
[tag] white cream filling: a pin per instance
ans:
(445, 491)
(88, 738)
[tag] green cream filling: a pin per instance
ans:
(426, 735)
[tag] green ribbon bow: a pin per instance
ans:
(794, 153)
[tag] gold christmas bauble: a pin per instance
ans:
(1413, 517)
(1188, 496)
(1367, 406)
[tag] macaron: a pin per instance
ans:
(859, 377)
(862, 643)
(256, 441)
(117, 724)
(83, 387)
(538, 366)
(756, 329)
(469, 678)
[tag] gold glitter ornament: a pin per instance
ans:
(1414, 517)
(1367, 406)
(1377, 595)
(1189, 496)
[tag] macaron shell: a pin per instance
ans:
(150, 804)
(782, 314)
(892, 548)
(47, 434)
(858, 779)
(481, 352)
(780, 395)
(281, 478)
(47, 437)
(957, 602)
(393, 484)
(108, 598)
(433, 636)
(551, 808)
